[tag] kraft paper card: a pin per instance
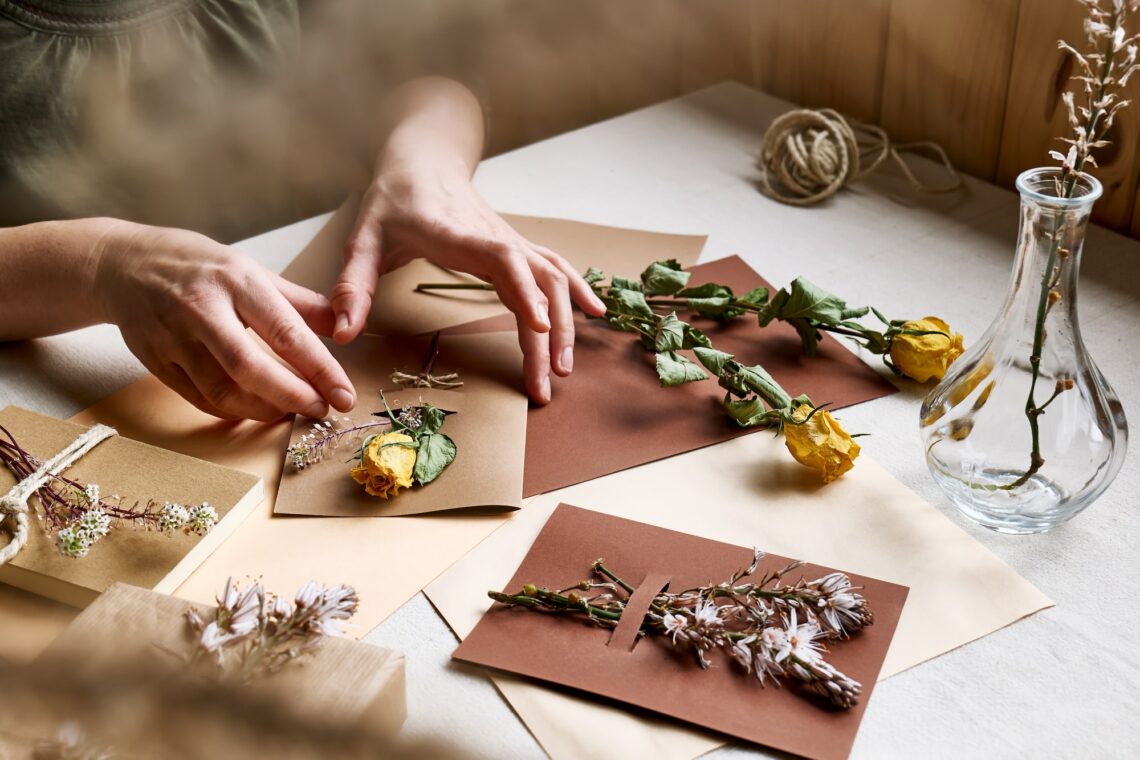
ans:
(137, 472)
(749, 491)
(398, 310)
(654, 675)
(489, 429)
(632, 420)
(341, 683)
(387, 561)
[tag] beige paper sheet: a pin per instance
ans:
(397, 310)
(489, 429)
(749, 491)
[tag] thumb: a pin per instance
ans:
(352, 295)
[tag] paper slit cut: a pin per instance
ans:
(625, 635)
(14, 504)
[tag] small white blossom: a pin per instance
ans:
(172, 517)
(95, 523)
(202, 518)
(73, 542)
(674, 624)
(91, 493)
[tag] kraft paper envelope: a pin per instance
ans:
(632, 420)
(138, 473)
(749, 491)
(341, 683)
(387, 561)
(653, 674)
(489, 429)
(398, 310)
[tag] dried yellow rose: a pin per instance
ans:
(385, 468)
(926, 357)
(820, 443)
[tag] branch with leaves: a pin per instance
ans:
(770, 628)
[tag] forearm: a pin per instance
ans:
(47, 275)
(435, 124)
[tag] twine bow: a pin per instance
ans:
(426, 379)
(808, 156)
(14, 504)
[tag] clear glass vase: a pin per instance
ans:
(1024, 432)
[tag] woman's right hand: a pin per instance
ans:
(183, 303)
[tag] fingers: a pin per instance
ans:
(281, 327)
(202, 381)
(516, 286)
(352, 295)
(536, 364)
(580, 291)
(313, 307)
(560, 343)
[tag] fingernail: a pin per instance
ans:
(599, 303)
(317, 410)
(342, 399)
(568, 359)
(544, 391)
(341, 322)
(543, 320)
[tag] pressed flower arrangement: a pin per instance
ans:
(921, 349)
(401, 448)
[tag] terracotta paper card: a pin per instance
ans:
(398, 310)
(489, 429)
(742, 491)
(342, 683)
(632, 420)
(135, 471)
(654, 675)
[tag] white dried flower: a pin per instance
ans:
(73, 542)
(201, 519)
(95, 523)
(91, 493)
(172, 517)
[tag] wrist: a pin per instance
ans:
(109, 242)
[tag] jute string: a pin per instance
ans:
(14, 504)
(808, 156)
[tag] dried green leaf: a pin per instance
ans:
(435, 452)
(664, 278)
(674, 369)
(670, 334)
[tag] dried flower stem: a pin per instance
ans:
(771, 630)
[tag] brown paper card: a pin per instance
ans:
(135, 471)
(741, 491)
(386, 561)
(631, 420)
(489, 429)
(655, 675)
(398, 310)
(342, 683)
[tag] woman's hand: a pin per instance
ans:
(432, 211)
(183, 303)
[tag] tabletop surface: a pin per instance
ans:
(1062, 683)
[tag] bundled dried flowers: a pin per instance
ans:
(253, 633)
(79, 515)
(772, 630)
(412, 451)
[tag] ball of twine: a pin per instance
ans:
(808, 156)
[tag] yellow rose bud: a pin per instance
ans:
(385, 468)
(820, 443)
(925, 357)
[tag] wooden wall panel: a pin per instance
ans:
(822, 52)
(945, 77)
(715, 42)
(1035, 115)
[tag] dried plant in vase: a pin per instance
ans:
(771, 629)
(1026, 432)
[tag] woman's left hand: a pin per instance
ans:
(435, 213)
